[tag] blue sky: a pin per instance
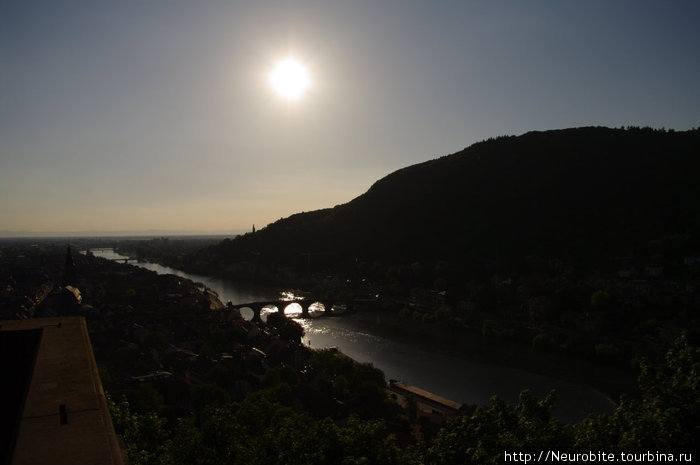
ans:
(158, 114)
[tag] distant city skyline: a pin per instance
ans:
(160, 115)
(118, 233)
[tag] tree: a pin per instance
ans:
(154, 340)
(203, 395)
(666, 416)
(279, 375)
(146, 399)
(145, 435)
(601, 301)
(258, 431)
(482, 438)
(289, 329)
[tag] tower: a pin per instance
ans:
(69, 276)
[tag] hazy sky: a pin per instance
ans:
(158, 114)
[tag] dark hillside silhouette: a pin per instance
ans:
(575, 194)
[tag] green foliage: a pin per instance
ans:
(543, 341)
(258, 431)
(219, 341)
(207, 349)
(289, 329)
(419, 271)
(606, 351)
(361, 386)
(105, 377)
(205, 395)
(367, 443)
(442, 269)
(279, 375)
(411, 407)
(492, 327)
(154, 340)
(440, 284)
(601, 301)
(145, 399)
(482, 437)
(666, 416)
(145, 435)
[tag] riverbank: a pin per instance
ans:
(449, 341)
(458, 375)
(612, 374)
(466, 368)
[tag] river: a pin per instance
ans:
(465, 376)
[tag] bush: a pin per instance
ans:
(289, 329)
(543, 341)
(607, 352)
(203, 395)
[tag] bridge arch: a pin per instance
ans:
(309, 308)
(246, 312)
(270, 307)
(293, 309)
(314, 308)
(327, 307)
(339, 308)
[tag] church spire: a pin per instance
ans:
(69, 276)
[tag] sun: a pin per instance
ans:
(289, 79)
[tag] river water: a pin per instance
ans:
(463, 377)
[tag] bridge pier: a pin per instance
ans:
(305, 304)
(327, 308)
(281, 306)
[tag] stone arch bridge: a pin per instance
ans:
(305, 304)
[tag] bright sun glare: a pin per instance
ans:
(289, 79)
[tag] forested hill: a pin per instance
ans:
(574, 194)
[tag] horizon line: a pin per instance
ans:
(21, 234)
